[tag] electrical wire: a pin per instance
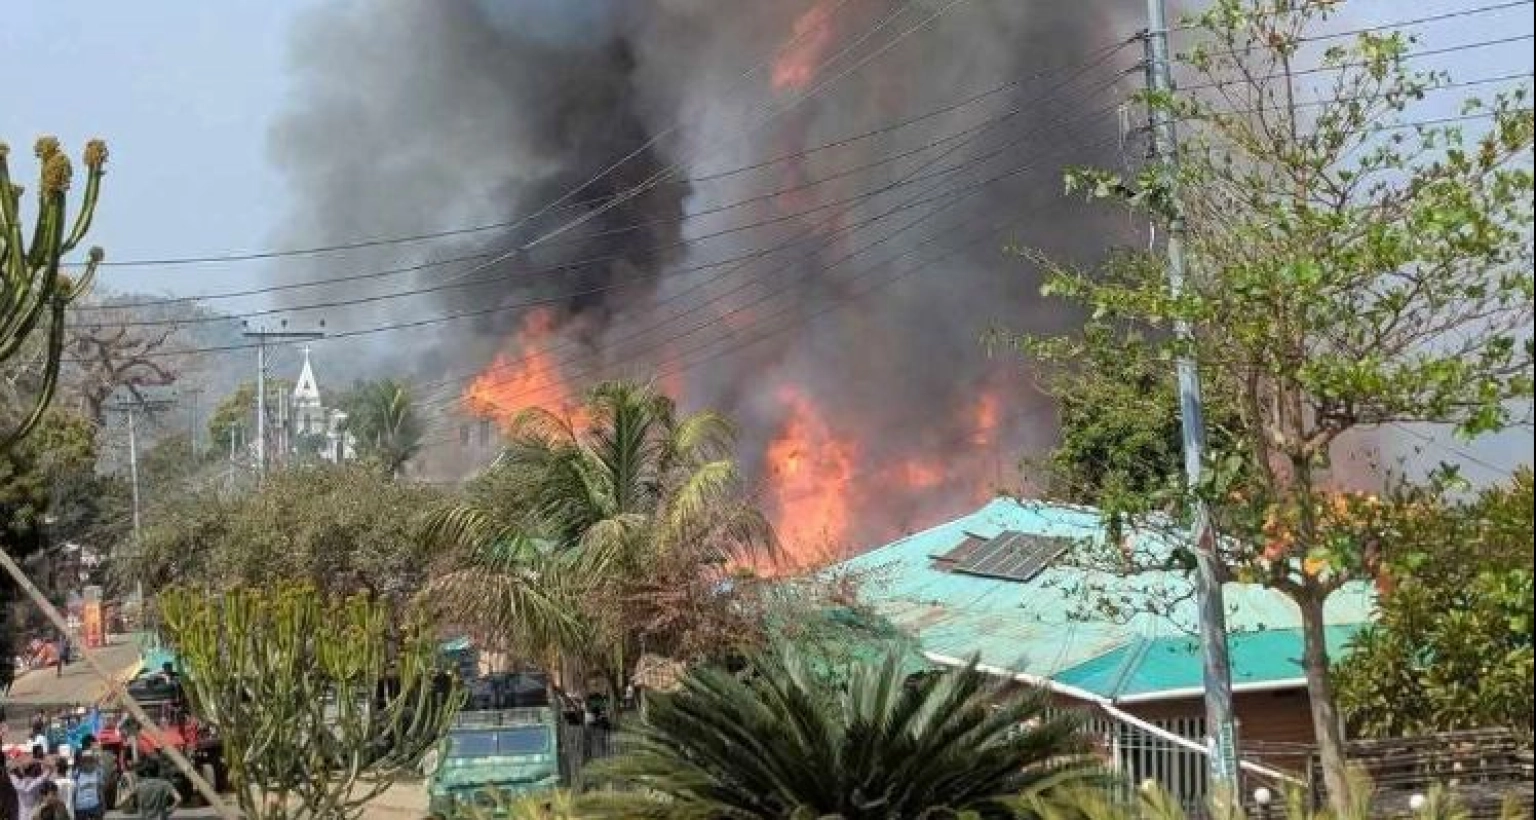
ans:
(689, 242)
(808, 232)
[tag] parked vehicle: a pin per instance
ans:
(505, 744)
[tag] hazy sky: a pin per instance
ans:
(185, 92)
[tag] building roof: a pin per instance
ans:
(1084, 632)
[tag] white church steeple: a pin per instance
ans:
(306, 393)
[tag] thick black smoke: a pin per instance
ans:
(412, 116)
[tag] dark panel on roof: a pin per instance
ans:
(961, 551)
(1013, 556)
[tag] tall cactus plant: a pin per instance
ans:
(321, 702)
(34, 292)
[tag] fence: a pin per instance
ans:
(1479, 768)
(580, 745)
(1139, 756)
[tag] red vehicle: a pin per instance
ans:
(127, 743)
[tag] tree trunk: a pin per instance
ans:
(1325, 716)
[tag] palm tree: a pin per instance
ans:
(382, 417)
(581, 505)
(780, 746)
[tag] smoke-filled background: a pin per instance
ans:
(833, 301)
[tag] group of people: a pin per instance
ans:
(58, 731)
(53, 787)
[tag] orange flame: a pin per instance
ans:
(797, 62)
(525, 378)
(984, 421)
(809, 480)
(919, 476)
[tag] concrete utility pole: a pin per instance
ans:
(1220, 724)
(262, 336)
(192, 394)
(130, 406)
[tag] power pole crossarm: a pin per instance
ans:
(1220, 723)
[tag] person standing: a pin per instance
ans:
(155, 797)
(65, 786)
(28, 783)
(89, 789)
(52, 806)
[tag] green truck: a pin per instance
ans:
(492, 756)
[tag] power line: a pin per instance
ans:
(1411, 55)
(561, 201)
(1195, 26)
(964, 134)
(1392, 24)
(660, 175)
(842, 141)
(503, 308)
(808, 232)
(825, 308)
(553, 373)
(555, 366)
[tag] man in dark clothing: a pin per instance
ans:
(154, 796)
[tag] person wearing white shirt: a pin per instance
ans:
(28, 783)
(66, 785)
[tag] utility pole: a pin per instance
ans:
(192, 436)
(263, 336)
(1220, 723)
(130, 406)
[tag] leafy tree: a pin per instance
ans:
(340, 529)
(321, 702)
(235, 416)
(60, 448)
(1121, 438)
(580, 510)
(1452, 648)
(382, 417)
(1348, 271)
(777, 745)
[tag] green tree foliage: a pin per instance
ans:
(1346, 273)
(778, 746)
(340, 529)
(382, 417)
(61, 446)
(321, 702)
(582, 517)
(233, 417)
(34, 291)
(1452, 648)
(1121, 439)
(33, 475)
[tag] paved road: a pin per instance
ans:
(403, 802)
(43, 689)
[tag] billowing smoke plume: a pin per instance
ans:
(851, 356)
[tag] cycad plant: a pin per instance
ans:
(778, 745)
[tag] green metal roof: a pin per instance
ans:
(1048, 627)
(1163, 665)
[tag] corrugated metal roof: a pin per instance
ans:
(1050, 627)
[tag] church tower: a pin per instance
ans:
(309, 416)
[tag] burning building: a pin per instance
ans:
(794, 212)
